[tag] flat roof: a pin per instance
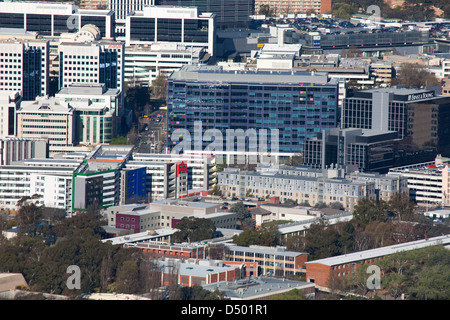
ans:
(206, 73)
(383, 251)
(141, 236)
(256, 287)
(267, 250)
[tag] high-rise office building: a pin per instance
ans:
(51, 19)
(419, 116)
(95, 62)
(368, 150)
(9, 104)
(298, 104)
(183, 25)
(229, 13)
(24, 67)
(48, 118)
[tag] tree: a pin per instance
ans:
(30, 215)
(216, 191)
(193, 229)
(127, 277)
(401, 207)
(265, 236)
(244, 216)
(367, 210)
(422, 274)
(415, 76)
(119, 140)
(343, 10)
(265, 10)
(159, 87)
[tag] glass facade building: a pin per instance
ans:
(298, 104)
(419, 116)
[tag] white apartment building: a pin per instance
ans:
(310, 186)
(184, 25)
(201, 169)
(164, 179)
(51, 179)
(48, 118)
(143, 63)
(24, 67)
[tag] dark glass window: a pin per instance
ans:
(142, 29)
(41, 23)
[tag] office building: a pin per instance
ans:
(24, 66)
(96, 62)
(229, 13)
(271, 261)
(48, 118)
(298, 104)
(418, 115)
(183, 25)
(285, 7)
(51, 19)
(9, 104)
(368, 150)
(143, 63)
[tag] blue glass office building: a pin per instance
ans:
(298, 104)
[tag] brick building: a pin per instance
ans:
(320, 271)
(201, 272)
(270, 260)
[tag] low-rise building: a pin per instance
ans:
(201, 272)
(322, 271)
(277, 261)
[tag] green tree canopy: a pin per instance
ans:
(193, 229)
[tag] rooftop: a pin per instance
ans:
(267, 250)
(206, 73)
(383, 251)
(256, 288)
